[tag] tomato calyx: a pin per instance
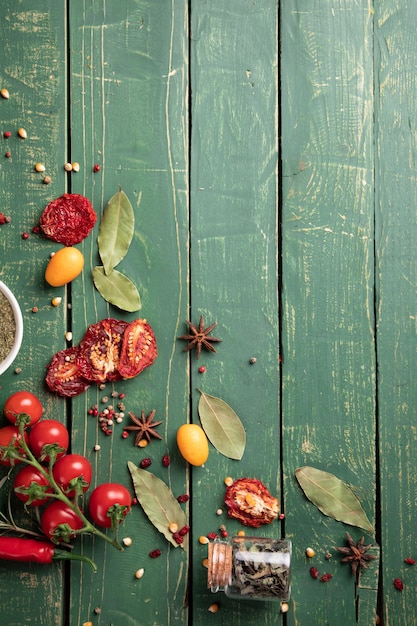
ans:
(117, 513)
(50, 452)
(34, 493)
(22, 418)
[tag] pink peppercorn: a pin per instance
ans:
(178, 538)
(325, 578)
(125, 434)
(212, 536)
(202, 369)
(7, 134)
(183, 498)
(398, 584)
(166, 460)
(224, 533)
(314, 572)
(96, 168)
(25, 235)
(35, 229)
(155, 553)
(184, 530)
(409, 561)
(145, 463)
(8, 154)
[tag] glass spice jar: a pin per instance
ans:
(254, 568)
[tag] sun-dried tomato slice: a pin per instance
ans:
(68, 219)
(249, 501)
(63, 375)
(99, 351)
(139, 349)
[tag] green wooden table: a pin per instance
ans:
(269, 152)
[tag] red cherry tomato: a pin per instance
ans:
(139, 349)
(23, 402)
(48, 432)
(55, 515)
(73, 474)
(106, 496)
(8, 435)
(31, 478)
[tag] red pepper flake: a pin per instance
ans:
(183, 498)
(398, 584)
(409, 561)
(155, 553)
(96, 168)
(325, 578)
(145, 463)
(166, 460)
(314, 572)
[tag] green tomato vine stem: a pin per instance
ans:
(58, 494)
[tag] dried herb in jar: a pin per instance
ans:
(7, 327)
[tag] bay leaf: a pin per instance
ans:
(332, 497)
(157, 501)
(117, 289)
(116, 230)
(222, 426)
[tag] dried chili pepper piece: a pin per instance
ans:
(64, 376)
(68, 219)
(139, 349)
(99, 351)
(249, 501)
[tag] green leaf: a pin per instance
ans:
(157, 501)
(332, 497)
(222, 426)
(117, 289)
(116, 231)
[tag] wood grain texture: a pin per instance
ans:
(328, 319)
(129, 114)
(234, 258)
(32, 68)
(397, 275)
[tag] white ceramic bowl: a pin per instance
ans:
(4, 365)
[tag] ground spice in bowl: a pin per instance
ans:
(11, 327)
(7, 327)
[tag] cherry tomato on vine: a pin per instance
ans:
(48, 432)
(109, 501)
(9, 435)
(57, 514)
(73, 474)
(23, 402)
(32, 479)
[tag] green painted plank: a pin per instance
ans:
(397, 275)
(234, 252)
(32, 68)
(129, 72)
(328, 319)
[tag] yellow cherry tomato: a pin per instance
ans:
(64, 266)
(193, 444)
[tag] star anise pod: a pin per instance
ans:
(144, 426)
(355, 554)
(199, 338)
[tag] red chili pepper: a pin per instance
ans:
(32, 550)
